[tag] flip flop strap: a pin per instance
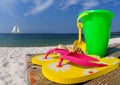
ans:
(60, 51)
(76, 59)
(81, 62)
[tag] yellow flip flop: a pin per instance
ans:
(39, 59)
(70, 74)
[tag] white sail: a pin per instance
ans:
(15, 29)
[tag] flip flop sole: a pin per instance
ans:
(39, 59)
(71, 74)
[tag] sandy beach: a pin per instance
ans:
(13, 63)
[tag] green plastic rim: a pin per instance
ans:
(81, 15)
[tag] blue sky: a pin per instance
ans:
(51, 16)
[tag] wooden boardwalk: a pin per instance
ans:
(35, 76)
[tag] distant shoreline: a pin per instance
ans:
(53, 33)
(115, 32)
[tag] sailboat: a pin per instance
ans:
(15, 29)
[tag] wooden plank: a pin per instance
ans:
(112, 78)
(35, 76)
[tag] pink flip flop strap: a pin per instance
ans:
(76, 58)
(82, 62)
(64, 52)
(82, 56)
(60, 51)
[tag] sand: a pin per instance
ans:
(13, 63)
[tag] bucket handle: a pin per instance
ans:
(82, 15)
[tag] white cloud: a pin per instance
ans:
(39, 6)
(85, 4)
(7, 6)
(67, 3)
(89, 4)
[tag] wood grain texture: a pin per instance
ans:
(35, 76)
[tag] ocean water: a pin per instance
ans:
(36, 40)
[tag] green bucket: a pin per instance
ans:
(96, 26)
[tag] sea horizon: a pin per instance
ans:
(116, 32)
(40, 39)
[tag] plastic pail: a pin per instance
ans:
(96, 27)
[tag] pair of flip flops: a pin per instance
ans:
(71, 68)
